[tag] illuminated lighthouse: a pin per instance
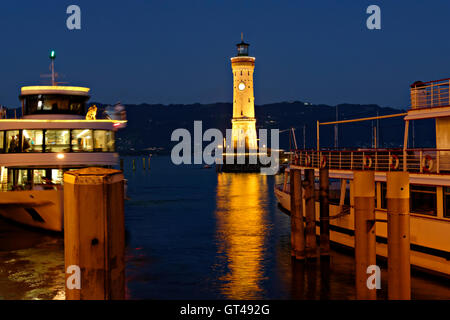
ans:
(243, 122)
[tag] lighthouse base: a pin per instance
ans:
(235, 167)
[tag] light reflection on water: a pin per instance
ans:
(195, 234)
(241, 231)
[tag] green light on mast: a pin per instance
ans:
(52, 54)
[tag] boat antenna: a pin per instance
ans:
(52, 58)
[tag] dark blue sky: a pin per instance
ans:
(167, 51)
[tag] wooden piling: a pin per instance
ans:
(143, 163)
(324, 212)
(134, 165)
(297, 229)
(365, 236)
(149, 157)
(310, 214)
(121, 164)
(399, 267)
(94, 233)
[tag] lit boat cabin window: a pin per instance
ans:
(446, 202)
(39, 176)
(74, 140)
(103, 141)
(54, 104)
(12, 141)
(82, 141)
(18, 180)
(423, 200)
(57, 141)
(32, 140)
(34, 179)
(2, 141)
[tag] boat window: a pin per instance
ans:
(103, 141)
(39, 176)
(32, 140)
(383, 201)
(12, 141)
(57, 176)
(18, 179)
(54, 104)
(446, 202)
(3, 178)
(2, 141)
(57, 141)
(82, 140)
(334, 191)
(423, 199)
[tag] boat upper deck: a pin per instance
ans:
(431, 94)
(418, 161)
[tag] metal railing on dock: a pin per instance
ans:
(412, 160)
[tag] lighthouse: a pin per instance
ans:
(243, 122)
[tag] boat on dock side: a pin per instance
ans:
(54, 135)
(429, 172)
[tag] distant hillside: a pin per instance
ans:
(150, 126)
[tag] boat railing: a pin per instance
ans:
(430, 94)
(413, 160)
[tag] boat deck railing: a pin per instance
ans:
(430, 94)
(412, 160)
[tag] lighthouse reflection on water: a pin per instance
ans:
(241, 232)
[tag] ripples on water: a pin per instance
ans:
(195, 234)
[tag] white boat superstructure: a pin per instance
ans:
(52, 136)
(429, 182)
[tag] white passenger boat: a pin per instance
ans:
(54, 135)
(429, 182)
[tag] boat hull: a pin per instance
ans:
(429, 254)
(43, 209)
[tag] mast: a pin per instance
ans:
(52, 58)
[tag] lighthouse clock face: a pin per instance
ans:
(241, 86)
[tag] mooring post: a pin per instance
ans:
(310, 214)
(143, 163)
(297, 229)
(149, 157)
(134, 165)
(94, 234)
(365, 236)
(324, 212)
(399, 267)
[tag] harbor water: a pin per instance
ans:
(196, 234)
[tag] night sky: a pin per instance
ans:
(168, 51)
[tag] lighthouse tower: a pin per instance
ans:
(243, 122)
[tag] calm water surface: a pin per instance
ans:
(195, 234)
